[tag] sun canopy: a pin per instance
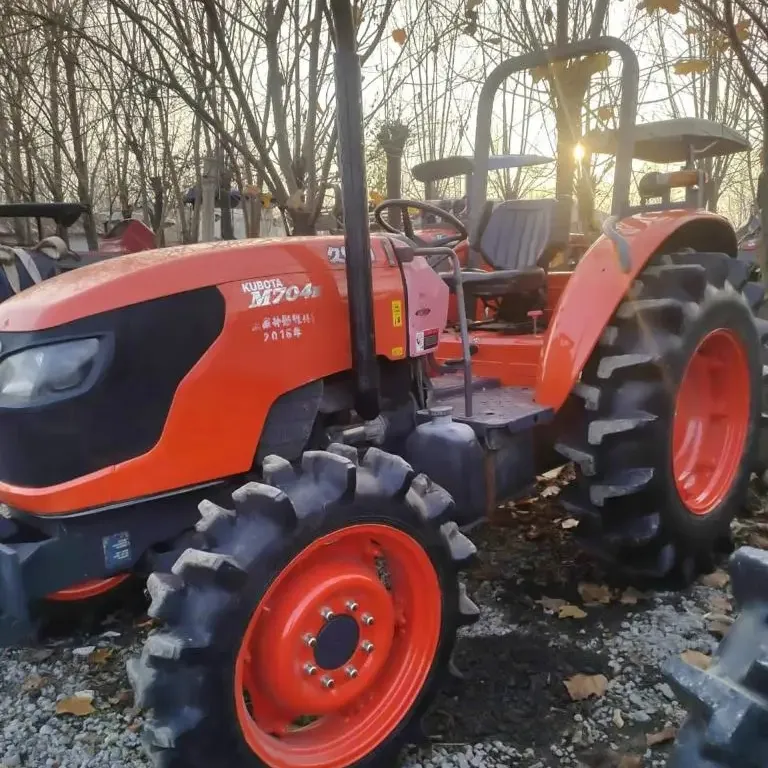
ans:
(668, 141)
(461, 165)
(65, 214)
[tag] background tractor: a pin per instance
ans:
(290, 440)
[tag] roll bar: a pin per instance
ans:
(627, 115)
(354, 199)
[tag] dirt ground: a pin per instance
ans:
(563, 669)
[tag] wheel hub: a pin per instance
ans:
(337, 642)
(338, 648)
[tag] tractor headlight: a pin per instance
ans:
(43, 372)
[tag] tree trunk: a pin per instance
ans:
(158, 211)
(225, 203)
(81, 170)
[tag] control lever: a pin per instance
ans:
(466, 353)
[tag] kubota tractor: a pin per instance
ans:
(286, 436)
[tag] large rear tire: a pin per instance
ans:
(314, 624)
(671, 405)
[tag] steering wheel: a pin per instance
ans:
(441, 242)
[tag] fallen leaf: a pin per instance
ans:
(618, 720)
(581, 687)
(719, 628)
(717, 579)
(631, 596)
(569, 523)
(134, 727)
(33, 683)
(550, 491)
(571, 612)
(720, 604)
(110, 634)
(145, 623)
(630, 761)
(756, 540)
(85, 651)
(100, 656)
(661, 737)
(697, 659)
(81, 704)
(594, 594)
(553, 474)
(552, 604)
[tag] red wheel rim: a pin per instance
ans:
(329, 601)
(711, 421)
(88, 589)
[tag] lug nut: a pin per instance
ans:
(310, 669)
(351, 673)
(367, 619)
(352, 605)
(327, 682)
(367, 646)
(310, 640)
(326, 613)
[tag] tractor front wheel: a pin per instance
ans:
(314, 626)
(670, 418)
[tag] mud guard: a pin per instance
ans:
(599, 284)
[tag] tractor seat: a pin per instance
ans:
(513, 239)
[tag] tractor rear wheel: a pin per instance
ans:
(314, 626)
(671, 405)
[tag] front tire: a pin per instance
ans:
(316, 622)
(670, 418)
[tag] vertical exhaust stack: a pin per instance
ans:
(354, 193)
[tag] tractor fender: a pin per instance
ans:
(599, 284)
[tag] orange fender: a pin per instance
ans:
(598, 286)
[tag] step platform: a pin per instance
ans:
(494, 407)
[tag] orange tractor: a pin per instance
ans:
(286, 436)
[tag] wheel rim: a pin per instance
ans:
(88, 589)
(361, 608)
(711, 421)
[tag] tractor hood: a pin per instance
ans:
(136, 278)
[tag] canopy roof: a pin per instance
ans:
(65, 214)
(668, 141)
(461, 165)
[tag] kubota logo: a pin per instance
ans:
(267, 293)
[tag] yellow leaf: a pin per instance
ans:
(539, 73)
(375, 197)
(717, 579)
(33, 683)
(551, 604)
(594, 594)
(266, 199)
(571, 612)
(671, 6)
(597, 62)
(696, 659)
(742, 29)
(630, 596)
(661, 737)
(692, 67)
(581, 687)
(605, 113)
(100, 656)
(79, 704)
(399, 36)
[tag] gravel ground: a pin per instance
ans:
(512, 708)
